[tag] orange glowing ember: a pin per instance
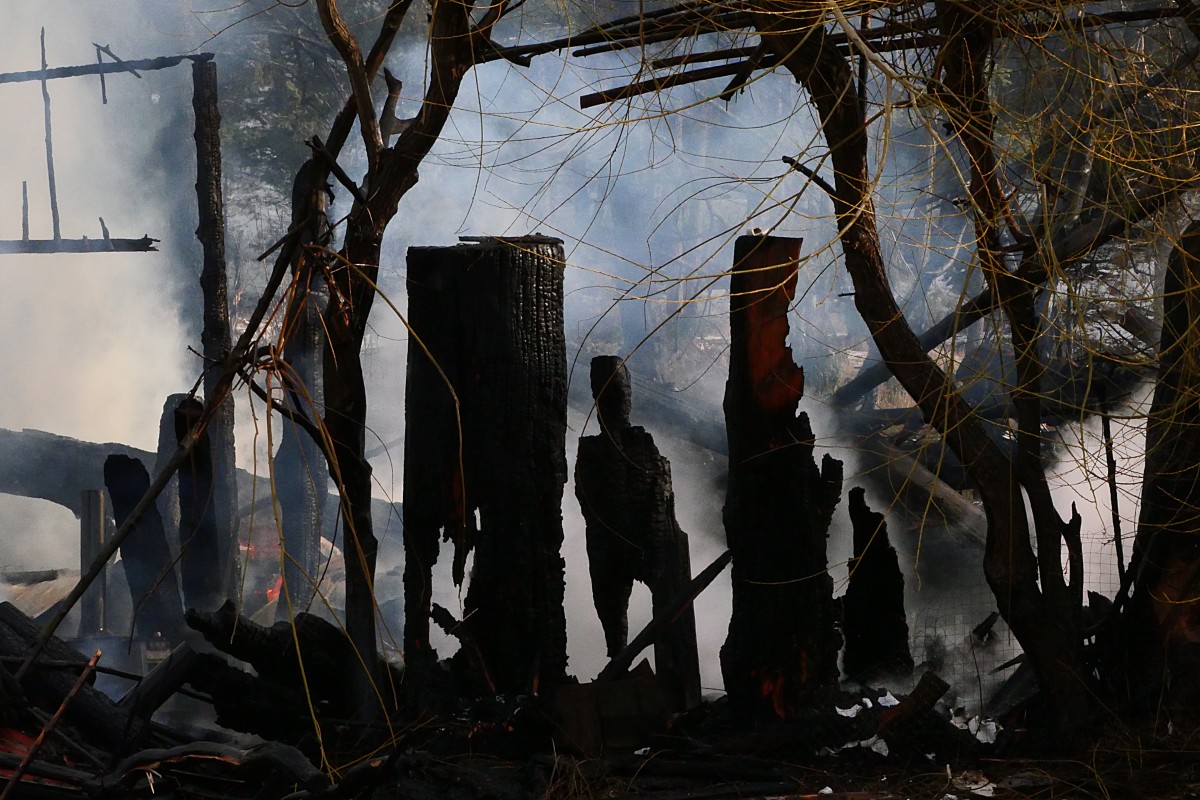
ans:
(273, 592)
(773, 686)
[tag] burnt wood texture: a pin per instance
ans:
(783, 640)
(484, 452)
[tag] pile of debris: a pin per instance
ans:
(300, 736)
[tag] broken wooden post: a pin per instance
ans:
(484, 450)
(93, 529)
(144, 553)
(783, 640)
(200, 566)
(215, 336)
(624, 489)
(873, 622)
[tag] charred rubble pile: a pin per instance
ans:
(240, 709)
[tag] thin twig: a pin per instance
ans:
(825, 185)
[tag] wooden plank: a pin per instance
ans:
(51, 73)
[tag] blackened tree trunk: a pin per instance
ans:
(624, 489)
(1162, 623)
(1048, 628)
(199, 552)
(873, 619)
(215, 336)
(783, 640)
(149, 570)
(391, 172)
(484, 451)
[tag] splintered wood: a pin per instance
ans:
(783, 641)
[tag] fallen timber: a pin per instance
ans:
(105, 245)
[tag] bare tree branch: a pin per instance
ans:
(360, 82)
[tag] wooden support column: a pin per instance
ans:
(215, 336)
(624, 489)
(484, 452)
(783, 640)
(93, 530)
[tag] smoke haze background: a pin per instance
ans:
(648, 211)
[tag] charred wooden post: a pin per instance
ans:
(145, 554)
(484, 450)
(300, 468)
(624, 489)
(1163, 622)
(168, 501)
(873, 623)
(783, 640)
(200, 564)
(93, 529)
(215, 336)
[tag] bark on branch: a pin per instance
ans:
(360, 82)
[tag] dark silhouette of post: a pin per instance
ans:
(485, 455)
(93, 530)
(623, 485)
(199, 545)
(874, 622)
(783, 640)
(215, 336)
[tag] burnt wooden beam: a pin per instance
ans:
(783, 641)
(215, 336)
(161, 683)
(658, 83)
(873, 623)
(44, 246)
(623, 485)
(484, 450)
(105, 68)
(663, 617)
(51, 467)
